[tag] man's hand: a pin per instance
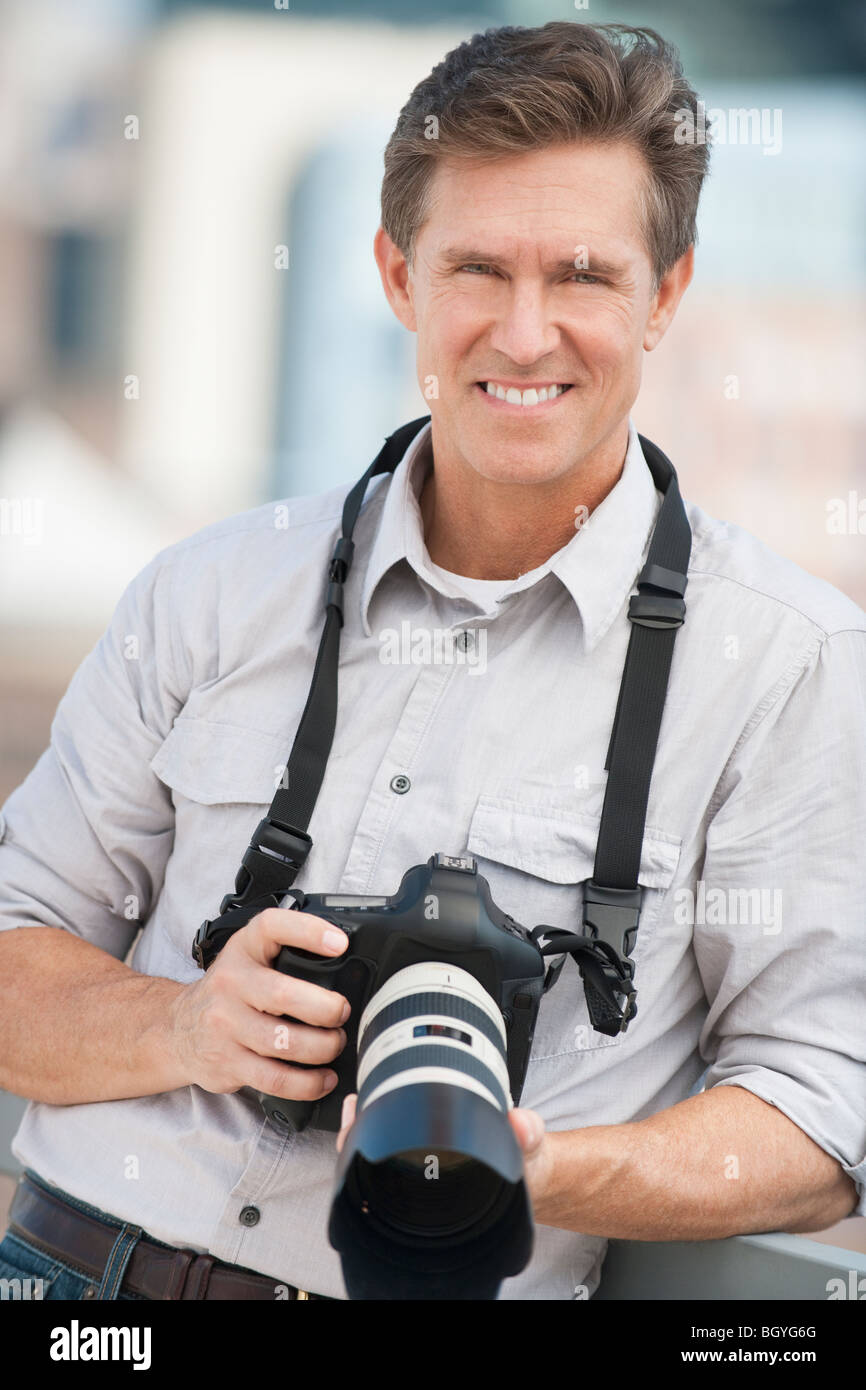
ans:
(229, 1028)
(527, 1125)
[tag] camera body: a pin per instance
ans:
(442, 912)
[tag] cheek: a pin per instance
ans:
(446, 332)
(607, 340)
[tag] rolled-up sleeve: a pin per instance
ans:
(782, 944)
(86, 836)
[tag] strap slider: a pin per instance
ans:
(656, 610)
(673, 581)
(338, 568)
(334, 597)
(664, 607)
(341, 560)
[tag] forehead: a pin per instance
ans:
(562, 195)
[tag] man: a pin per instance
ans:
(537, 237)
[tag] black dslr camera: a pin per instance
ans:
(460, 959)
(430, 1200)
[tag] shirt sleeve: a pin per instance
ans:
(782, 945)
(85, 838)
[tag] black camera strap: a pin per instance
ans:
(612, 897)
(280, 843)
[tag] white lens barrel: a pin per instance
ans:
(433, 1022)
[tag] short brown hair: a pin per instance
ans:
(513, 89)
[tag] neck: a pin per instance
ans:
(486, 529)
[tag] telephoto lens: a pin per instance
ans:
(430, 1199)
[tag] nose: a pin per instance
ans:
(523, 330)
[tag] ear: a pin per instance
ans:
(396, 279)
(667, 298)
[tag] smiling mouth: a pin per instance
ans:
(527, 397)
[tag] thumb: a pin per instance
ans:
(529, 1128)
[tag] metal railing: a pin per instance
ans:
(762, 1267)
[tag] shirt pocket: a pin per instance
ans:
(222, 779)
(220, 764)
(537, 859)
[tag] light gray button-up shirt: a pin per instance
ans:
(166, 750)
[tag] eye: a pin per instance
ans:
(583, 277)
(473, 266)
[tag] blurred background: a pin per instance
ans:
(193, 321)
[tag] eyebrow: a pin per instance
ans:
(458, 255)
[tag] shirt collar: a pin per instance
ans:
(598, 566)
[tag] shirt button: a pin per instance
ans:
(400, 783)
(465, 640)
(250, 1216)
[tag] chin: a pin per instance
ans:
(502, 456)
(519, 465)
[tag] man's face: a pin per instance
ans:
(531, 272)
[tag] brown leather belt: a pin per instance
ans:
(157, 1271)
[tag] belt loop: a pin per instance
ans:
(198, 1277)
(121, 1253)
(179, 1269)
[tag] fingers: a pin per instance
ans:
(347, 1119)
(265, 933)
(288, 1041)
(250, 953)
(226, 1045)
(271, 992)
(529, 1128)
(282, 1079)
(245, 1023)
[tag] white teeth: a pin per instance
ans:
(532, 396)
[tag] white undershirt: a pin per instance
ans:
(484, 591)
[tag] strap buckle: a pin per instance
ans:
(610, 918)
(608, 980)
(275, 857)
(274, 848)
(610, 923)
(612, 915)
(273, 860)
(663, 608)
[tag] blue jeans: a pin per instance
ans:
(31, 1274)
